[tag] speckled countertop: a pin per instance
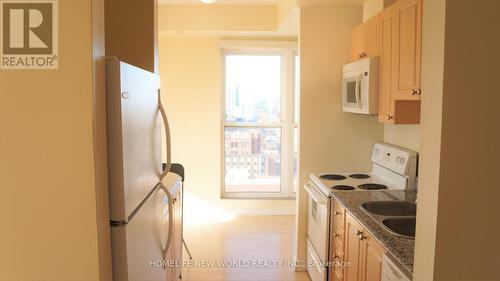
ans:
(401, 249)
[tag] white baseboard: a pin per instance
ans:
(263, 212)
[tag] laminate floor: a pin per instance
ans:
(245, 248)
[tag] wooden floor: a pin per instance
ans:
(243, 249)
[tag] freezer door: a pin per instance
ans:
(137, 247)
(134, 136)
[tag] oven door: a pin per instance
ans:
(351, 93)
(317, 220)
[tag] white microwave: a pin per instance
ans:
(360, 86)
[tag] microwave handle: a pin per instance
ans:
(358, 89)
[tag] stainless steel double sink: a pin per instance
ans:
(397, 217)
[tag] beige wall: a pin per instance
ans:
(48, 204)
(460, 138)
(191, 76)
(274, 20)
(430, 150)
(372, 7)
(407, 136)
(218, 18)
(330, 140)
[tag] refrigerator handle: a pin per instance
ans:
(170, 220)
(167, 136)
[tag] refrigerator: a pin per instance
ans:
(140, 208)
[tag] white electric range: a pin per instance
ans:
(393, 168)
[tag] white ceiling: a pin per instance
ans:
(224, 2)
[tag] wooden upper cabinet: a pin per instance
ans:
(388, 29)
(371, 38)
(372, 254)
(357, 47)
(408, 51)
(366, 39)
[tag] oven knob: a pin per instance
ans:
(400, 160)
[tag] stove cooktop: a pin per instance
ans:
(372, 186)
(335, 177)
(349, 182)
(343, 187)
(359, 176)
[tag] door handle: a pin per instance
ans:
(170, 220)
(167, 137)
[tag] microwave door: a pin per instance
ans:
(351, 92)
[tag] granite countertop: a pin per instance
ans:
(401, 249)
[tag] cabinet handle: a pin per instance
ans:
(174, 200)
(336, 213)
(335, 235)
(419, 92)
(389, 117)
(360, 235)
(414, 92)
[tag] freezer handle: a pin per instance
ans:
(170, 220)
(167, 137)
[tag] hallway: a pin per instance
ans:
(243, 249)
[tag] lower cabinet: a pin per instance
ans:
(352, 248)
(372, 253)
(337, 227)
(362, 253)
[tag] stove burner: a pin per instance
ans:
(344, 187)
(333, 177)
(372, 186)
(359, 176)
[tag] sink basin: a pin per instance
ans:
(390, 208)
(404, 227)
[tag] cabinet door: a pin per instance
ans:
(408, 52)
(371, 36)
(357, 43)
(372, 254)
(388, 29)
(352, 248)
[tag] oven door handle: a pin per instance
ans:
(314, 195)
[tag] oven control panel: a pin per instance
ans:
(394, 158)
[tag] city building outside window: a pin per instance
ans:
(260, 123)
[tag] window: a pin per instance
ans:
(260, 123)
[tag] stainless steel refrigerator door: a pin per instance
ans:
(134, 136)
(137, 247)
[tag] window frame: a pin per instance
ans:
(286, 123)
